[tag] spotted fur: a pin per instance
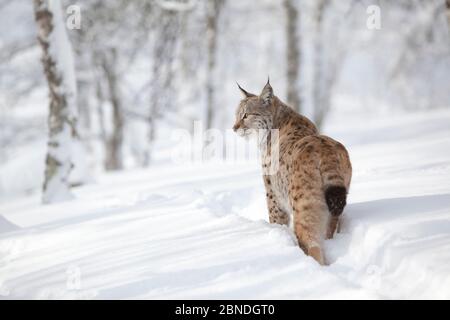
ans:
(309, 190)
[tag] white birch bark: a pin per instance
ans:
(58, 65)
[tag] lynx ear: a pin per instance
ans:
(267, 93)
(246, 94)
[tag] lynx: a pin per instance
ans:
(308, 192)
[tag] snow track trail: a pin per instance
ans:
(202, 232)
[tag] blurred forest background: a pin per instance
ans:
(143, 68)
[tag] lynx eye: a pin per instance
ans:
(245, 116)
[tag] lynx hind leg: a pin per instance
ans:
(277, 216)
(310, 224)
(333, 227)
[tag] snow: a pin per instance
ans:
(201, 231)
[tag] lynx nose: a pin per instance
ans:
(235, 127)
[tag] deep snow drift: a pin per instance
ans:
(201, 231)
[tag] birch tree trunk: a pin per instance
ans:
(59, 71)
(113, 141)
(319, 99)
(213, 12)
(293, 55)
(447, 6)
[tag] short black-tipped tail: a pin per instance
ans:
(336, 197)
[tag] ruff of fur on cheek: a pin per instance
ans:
(241, 132)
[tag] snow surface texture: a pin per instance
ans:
(202, 231)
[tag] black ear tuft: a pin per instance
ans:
(267, 93)
(246, 94)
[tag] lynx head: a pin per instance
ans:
(254, 112)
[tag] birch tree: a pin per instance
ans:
(107, 45)
(293, 54)
(59, 71)
(161, 85)
(319, 97)
(214, 8)
(114, 141)
(447, 6)
(328, 55)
